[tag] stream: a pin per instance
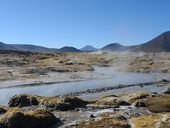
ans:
(115, 78)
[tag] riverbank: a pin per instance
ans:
(52, 78)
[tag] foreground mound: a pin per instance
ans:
(54, 103)
(16, 118)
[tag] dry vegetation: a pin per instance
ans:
(105, 121)
(152, 121)
(14, 65)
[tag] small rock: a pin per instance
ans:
(139, 104)
(116, 109)
(164, 80)
(77, 109)
(92, 116)
(2, 110)
(167, 91)
(71, 62)
(121, 117)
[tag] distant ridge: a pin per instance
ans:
(4, 46)
(160, 43)
(88, 48)
(32, 48)
(69, 49)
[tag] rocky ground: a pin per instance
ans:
(127, 110)
(137, 109)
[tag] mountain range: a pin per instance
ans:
(160, 43)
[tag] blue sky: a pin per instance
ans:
(56, 23)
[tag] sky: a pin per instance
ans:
(58, 23)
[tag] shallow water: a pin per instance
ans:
(150, 88)
(116, 78)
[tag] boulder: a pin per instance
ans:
(52, 103)
(112, 101)
(138, 95)
(42, 118)
(58, 106)
(23, 100)
(75, 101)
(64, 104)
(15, 120)
(158, 104)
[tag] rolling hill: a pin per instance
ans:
(115, 47)
(88, 48)
(69, 49)
(159, 44)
